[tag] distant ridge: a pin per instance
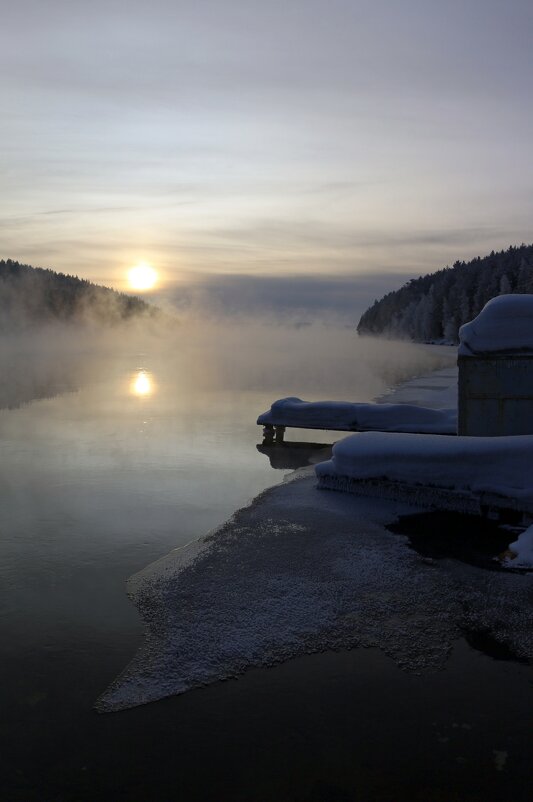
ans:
(431, 308)
(34, 295)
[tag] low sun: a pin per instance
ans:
(142, 277)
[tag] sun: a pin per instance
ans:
(142, 277)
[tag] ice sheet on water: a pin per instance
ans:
(302, 571)
(436, 390)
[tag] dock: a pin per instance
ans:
(426, 404)
(350, 417)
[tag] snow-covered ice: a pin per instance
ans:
(436, 390)
(346, 416)
(504, 325)
(302, 571)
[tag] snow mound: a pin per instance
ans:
(504, 325)
(301, 571)
(523, 551)
(350, 417)
(495, 465)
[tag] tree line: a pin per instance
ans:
(433, 307)
(30, 295)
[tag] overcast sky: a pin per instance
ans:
(325, 137)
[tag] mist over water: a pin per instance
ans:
(325, 361)
(207, 356)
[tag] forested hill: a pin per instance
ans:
(431, 308)
(30, 295)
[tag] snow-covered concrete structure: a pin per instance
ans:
(496, 369)
(473, 475)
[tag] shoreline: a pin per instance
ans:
(432, 387)
(280, 557)
(303, 570)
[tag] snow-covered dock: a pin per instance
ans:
(353, 417)
(424, 405)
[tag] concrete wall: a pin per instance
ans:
(495, 395)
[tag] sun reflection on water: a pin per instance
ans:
(142, 384)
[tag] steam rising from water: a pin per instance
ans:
(315, 362)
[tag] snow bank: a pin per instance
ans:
(497, 465)
(300, 571)
(523, 551)
(504, 325)
(350, 417)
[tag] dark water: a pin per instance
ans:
(470, 539)
(324, 728)
(111, 459)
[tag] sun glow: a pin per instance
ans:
(142, 277)
(142, 384)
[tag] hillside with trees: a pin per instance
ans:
(431, 308)
(33, 295)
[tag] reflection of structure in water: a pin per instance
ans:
(295, 455)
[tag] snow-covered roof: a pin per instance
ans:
(504, 326)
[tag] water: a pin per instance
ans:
(114, 453)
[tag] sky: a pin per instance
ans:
(247, 144)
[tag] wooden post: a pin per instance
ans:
(268, 433)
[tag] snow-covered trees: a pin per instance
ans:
(432, 307)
